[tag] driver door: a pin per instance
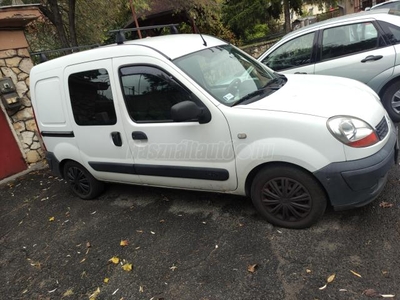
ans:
(167, 153)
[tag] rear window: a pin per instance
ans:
(91, 98)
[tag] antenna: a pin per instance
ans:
(198, 31)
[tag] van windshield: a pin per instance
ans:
(227, 73)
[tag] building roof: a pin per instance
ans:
(18, 16)
(160, 12)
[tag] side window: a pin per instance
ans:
(91, 98)
(150, 93)
(294, 53)
(392, 32)
(349, 39)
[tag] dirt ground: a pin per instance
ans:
(170, 244)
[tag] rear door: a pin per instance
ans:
(96, 121)
(356, 51)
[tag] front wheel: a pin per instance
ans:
(288, 197)
(82, 183)
(391, 101)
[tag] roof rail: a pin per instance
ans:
(43, 55)
(120, 33)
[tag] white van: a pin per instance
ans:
(193, 112)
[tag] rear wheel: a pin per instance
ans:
(391, 101)
(82, 183)
(288, 197)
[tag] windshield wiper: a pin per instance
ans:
(249, 96)
(271, 86)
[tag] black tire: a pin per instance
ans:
(391, 101)
(288, 197)
(81, 182)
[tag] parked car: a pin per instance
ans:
(364, 46)
(395, 4)
(193, 112)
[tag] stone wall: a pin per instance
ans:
(17, 65)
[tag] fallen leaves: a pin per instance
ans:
(368, 292)
(355, 274)
(124, 243)
(95, 294)
(374, 294)
(173, 267)
(252, 268)
(51, 219)
(114, 260)
(330, 279)
(68, 293)
(35, 264)
(127, 267)
(385, 204)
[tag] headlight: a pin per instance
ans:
(352, 132)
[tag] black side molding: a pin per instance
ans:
(66, 134)
(215, 174)
(113, 167)
(183, 172)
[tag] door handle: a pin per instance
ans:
(139, 135)
(116, 137)
(300, 72)
(371, 58)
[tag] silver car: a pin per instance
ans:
(364, 46)
(389, 4)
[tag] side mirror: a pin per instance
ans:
(188, 110)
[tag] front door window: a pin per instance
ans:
(295, 53)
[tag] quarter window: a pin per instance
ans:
(91, 98)
(150, 93)
(295, 53)
(345, 40)
(392, 32)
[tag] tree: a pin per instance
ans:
(205, 15)
(240, 15)
(70, 23)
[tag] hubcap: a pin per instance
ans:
(78, 181)
(286, 199)
(396, 102)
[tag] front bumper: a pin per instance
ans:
(356, 183)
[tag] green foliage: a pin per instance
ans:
(93, 21)
(245, 17)
(257, 31)
(251, 20)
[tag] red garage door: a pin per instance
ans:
(11, 160)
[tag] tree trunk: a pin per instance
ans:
(286, 11)
(71, 21)
(58, 23)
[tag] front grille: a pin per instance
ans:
(382, 128)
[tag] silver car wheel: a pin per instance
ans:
(396, 102)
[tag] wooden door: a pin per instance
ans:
(11, 160)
